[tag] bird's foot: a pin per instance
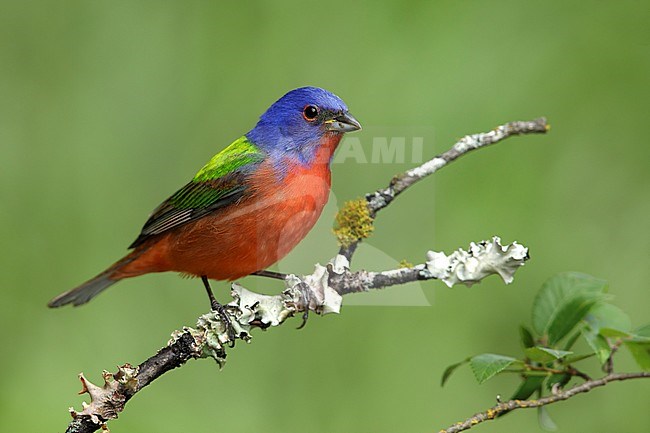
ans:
(216, 306)
(305, 300)
(225, 319)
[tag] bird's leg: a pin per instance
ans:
(305, 299)
(216, 306)
(270, 274)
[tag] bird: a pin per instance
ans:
(248, 207)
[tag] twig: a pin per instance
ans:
(570, 370)
(383, 197)
(121, 386)
(608, 367)
(575, 372)
(466, 267)
(509, 406)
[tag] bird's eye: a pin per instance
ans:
(310, 112)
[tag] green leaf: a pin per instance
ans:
(563, 301)
(638, 339)
(449, 370)
(545, 354)
(576, 358)
(571, 341)
(614, 333)
(527, 387)
(545, 420)
(641, 353)
(569, 315)
(641, 335)
(556, 291)
(526, 336)
(609, 316)
(488, 365)
(639, 346)
(598, 343)
(643, 331)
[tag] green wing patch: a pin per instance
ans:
(241, 152)
(219, 183)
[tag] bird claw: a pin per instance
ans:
(216, 306)
(305, 300)
(223, 315)
(305, 316)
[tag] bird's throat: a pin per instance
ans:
(326, 148)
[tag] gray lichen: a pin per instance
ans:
(249, 310)
(483, 259)
(108, 400)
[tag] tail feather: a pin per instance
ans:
(84, 293)
(91, 288)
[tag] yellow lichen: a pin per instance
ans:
(353, 222)
(405, 264)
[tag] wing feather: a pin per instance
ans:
(212, 189)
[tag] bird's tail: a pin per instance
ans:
(83, 293)
(91, 288)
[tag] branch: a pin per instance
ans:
(320, 292)
(461, 267)
(509, 406)
(381, 198)
(109, 400)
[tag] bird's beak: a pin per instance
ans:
(343, 123)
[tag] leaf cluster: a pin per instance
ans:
(568, 307)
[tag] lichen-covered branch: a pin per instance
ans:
(509, 406)
(107, 401)
(320, 292)
(461, 267)
(381, 198)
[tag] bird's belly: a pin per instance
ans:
(251, 235)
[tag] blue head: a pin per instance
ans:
(296, 124)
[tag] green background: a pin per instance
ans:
(107, 107)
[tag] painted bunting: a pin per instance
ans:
(248, 206)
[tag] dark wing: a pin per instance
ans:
(195, 200)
